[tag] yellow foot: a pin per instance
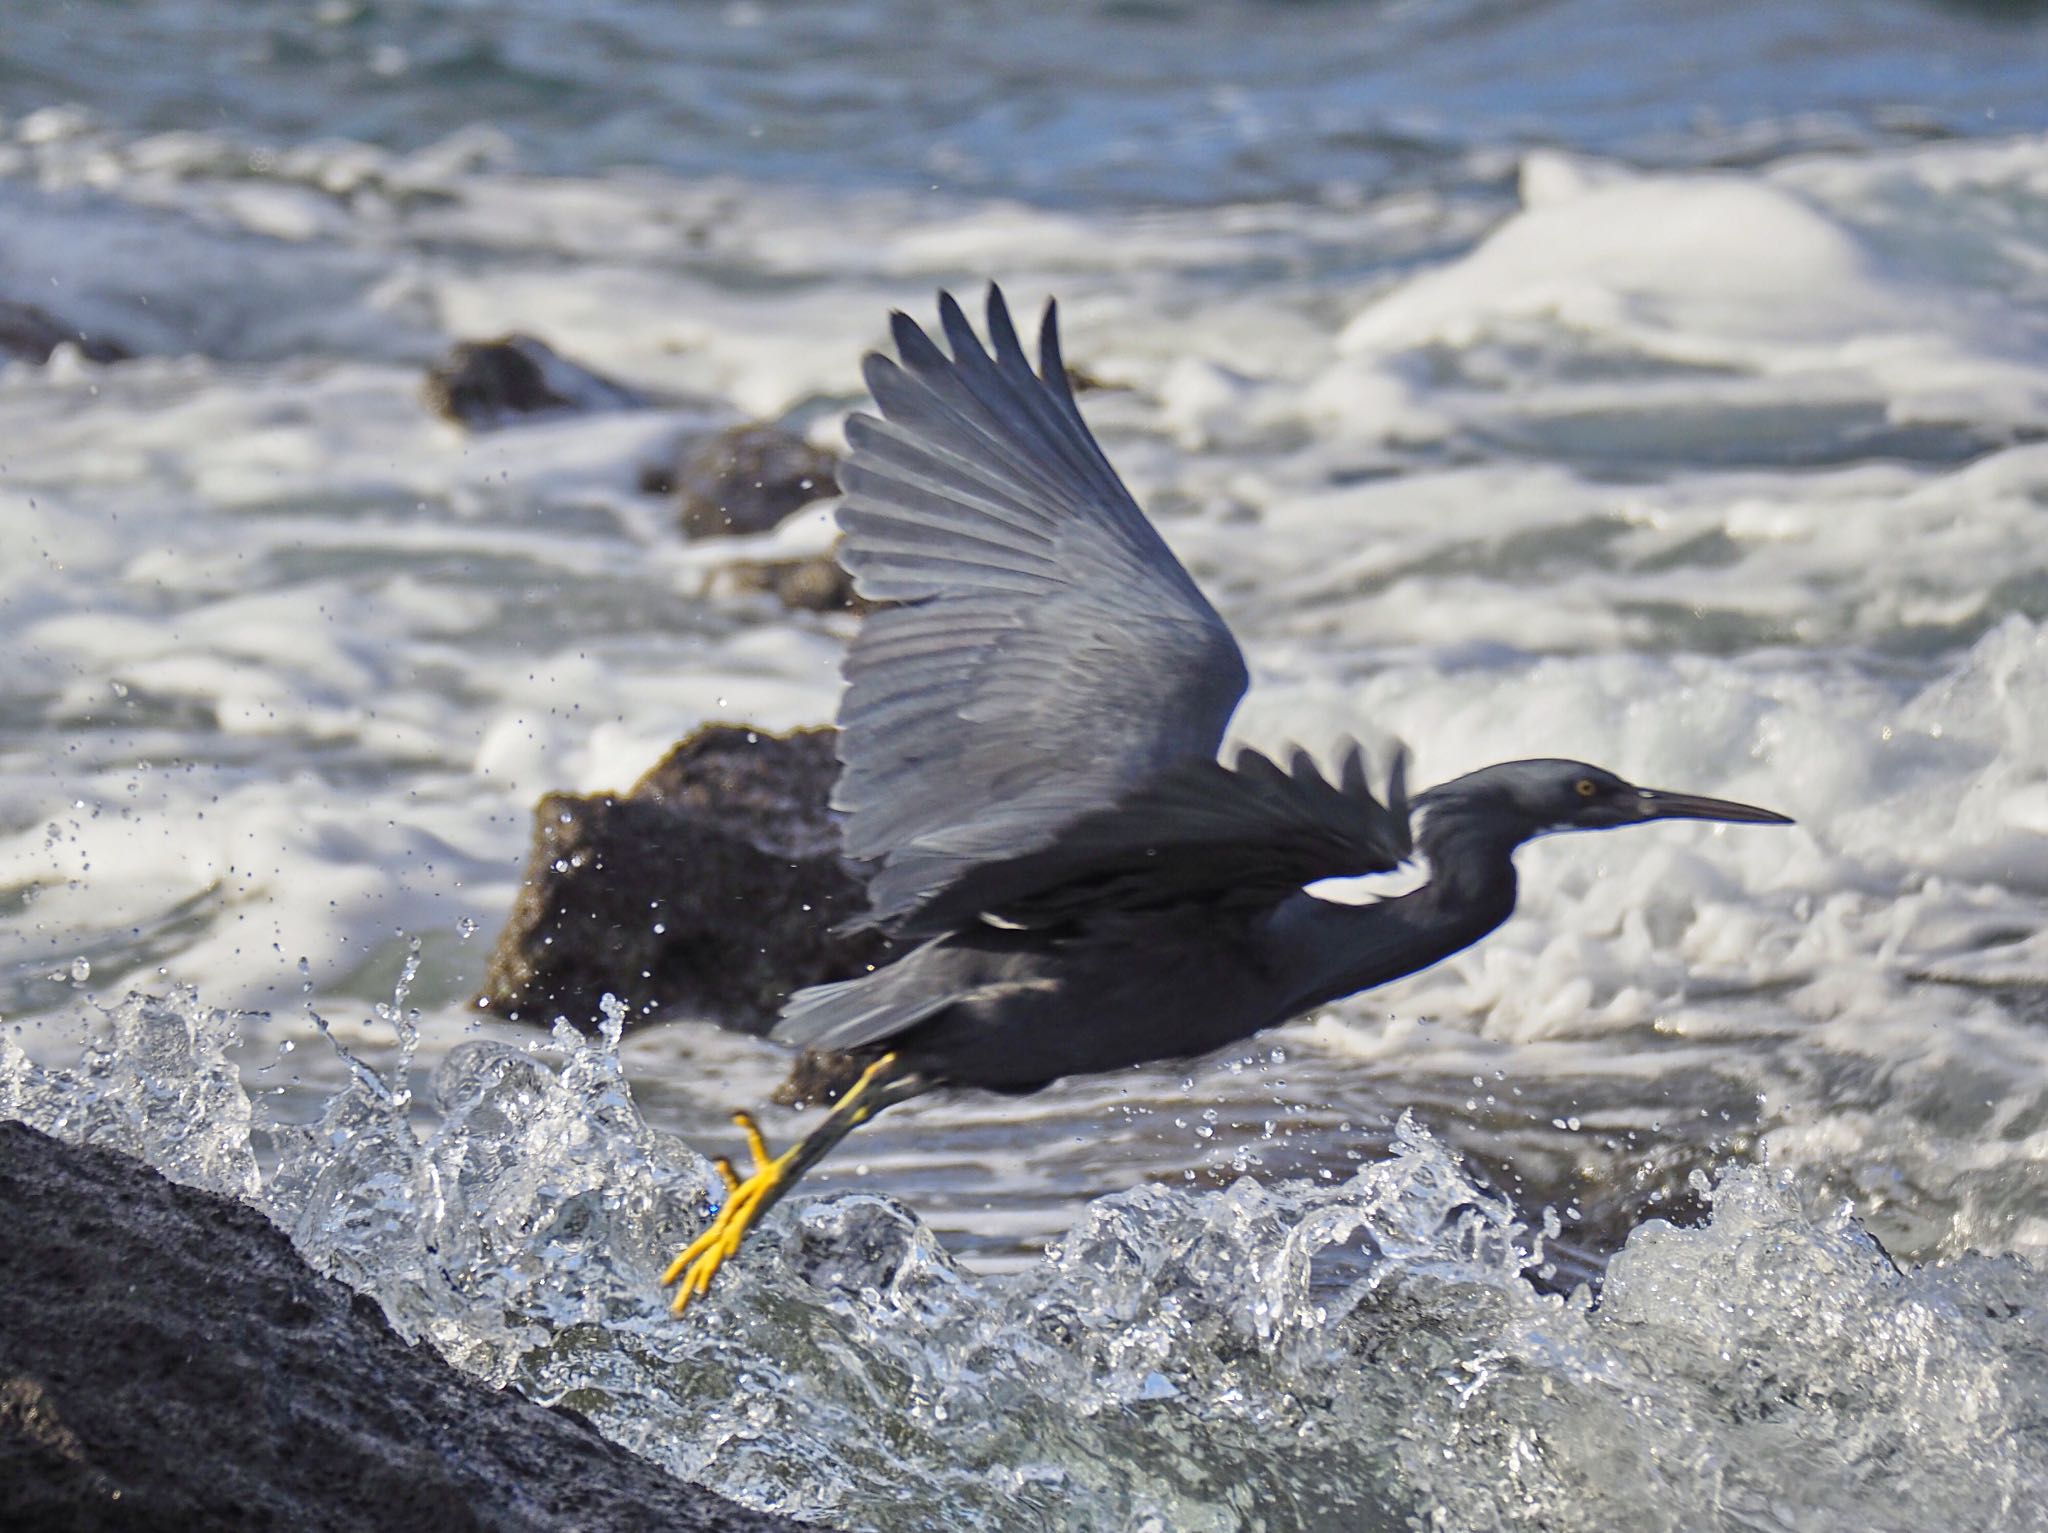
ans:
(693, 1271)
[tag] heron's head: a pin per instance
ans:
(1521, 799)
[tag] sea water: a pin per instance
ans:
(1662, 386)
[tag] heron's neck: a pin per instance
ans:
(1471, 859)
(1339, 950)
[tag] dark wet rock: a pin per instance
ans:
(484, 384)
(30, 334)
(816, 584)
(818, 1076)
(746, 480)
(709, 890)
(168, 1361)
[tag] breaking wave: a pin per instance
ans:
(1380, 1352)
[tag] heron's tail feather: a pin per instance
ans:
(851, 1013)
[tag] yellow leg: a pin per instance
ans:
(748, 1198)
(701, 1259)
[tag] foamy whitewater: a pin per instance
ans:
(1663, 388)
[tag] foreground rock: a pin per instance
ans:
(710, 890)
(30, 334)
(485, 384)
(745, 480)
(168, 1361)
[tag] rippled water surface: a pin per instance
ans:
(1663, 386)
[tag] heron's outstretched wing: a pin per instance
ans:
(1045, 652)
(1247, 833)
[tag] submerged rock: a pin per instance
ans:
(171, 1362)
(711, 889)
(484, 384)
(30, 334)
(814, 584)
(745, 480)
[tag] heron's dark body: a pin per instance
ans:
(1118, 988)
(1029, 1007)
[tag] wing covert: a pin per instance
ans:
(1250, 832)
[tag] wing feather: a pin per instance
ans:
(1045, 653)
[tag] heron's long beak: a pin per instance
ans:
(1658, 805)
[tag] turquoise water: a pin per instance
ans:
(1095, 103)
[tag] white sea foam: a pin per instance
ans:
(270, 578)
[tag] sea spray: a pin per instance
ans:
(1281, 1356)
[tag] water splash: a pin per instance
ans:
(1286, 1357)
(155, 1082)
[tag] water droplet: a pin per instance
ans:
(466, 928)
(613, 1027)
(81, 970)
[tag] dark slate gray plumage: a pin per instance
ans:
(1030, 747)
(1029, 740)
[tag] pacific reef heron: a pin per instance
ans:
(1029, 745)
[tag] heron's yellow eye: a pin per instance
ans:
(1588, 787)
